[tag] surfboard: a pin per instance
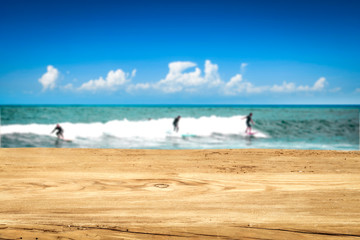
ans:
(251, 133)
(63, 140)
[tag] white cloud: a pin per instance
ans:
(211, 74)
(177, 80)
(236, 85)
(235, 80)
(113, 80)
(285, 87)
(48, 80)
(318, 86)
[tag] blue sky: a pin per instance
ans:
(180, 52)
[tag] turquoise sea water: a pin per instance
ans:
(201, 127)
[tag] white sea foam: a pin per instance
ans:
(148, 129)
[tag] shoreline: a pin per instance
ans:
(179, 194)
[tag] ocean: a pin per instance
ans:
(334, 127)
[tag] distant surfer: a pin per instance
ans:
(248, 123)
(59, 131)
(176, 123)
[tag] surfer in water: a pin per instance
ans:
(59, 131)
(176, 123)
(248, 123)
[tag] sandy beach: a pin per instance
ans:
(179, 194)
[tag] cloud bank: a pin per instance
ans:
(187, 77)
(113, 80)
(236, 86)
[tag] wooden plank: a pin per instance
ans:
(179, 194)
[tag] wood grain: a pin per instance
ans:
(179, 194)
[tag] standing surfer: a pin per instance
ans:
(248, 121)
(59, 131)
(176, 123)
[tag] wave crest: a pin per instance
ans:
(149, 129)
